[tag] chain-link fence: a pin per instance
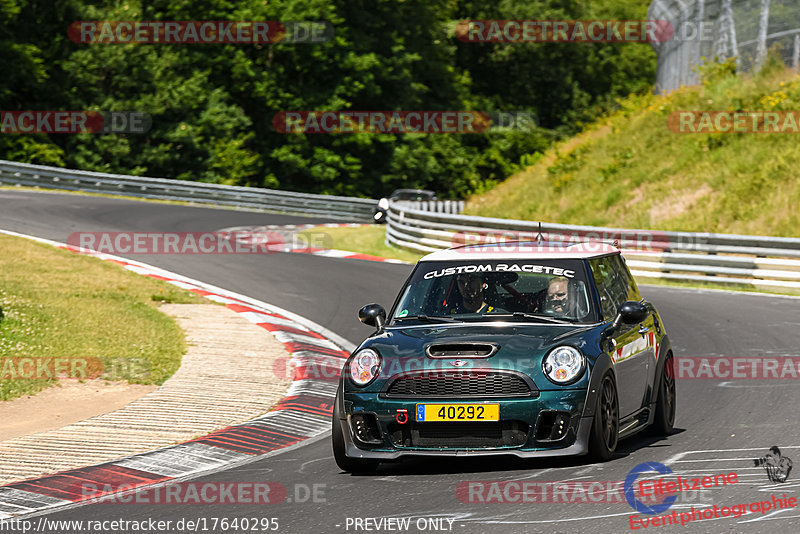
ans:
(709, 30)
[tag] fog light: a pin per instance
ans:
(365, 428)
(552, 425)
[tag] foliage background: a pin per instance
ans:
(212, 105)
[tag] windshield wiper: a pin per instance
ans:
(429, 318)
(523, 315)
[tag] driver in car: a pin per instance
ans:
(472, 288)
(557, 299)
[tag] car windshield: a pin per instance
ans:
(551, 291)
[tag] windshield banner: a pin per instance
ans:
(500, 268)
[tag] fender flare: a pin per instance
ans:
(664, 348)
(339, 411)
(602, 365)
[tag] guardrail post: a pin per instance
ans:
(761, 51)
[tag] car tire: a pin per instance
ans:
(605, 424)
(345, 463)
(664, 420)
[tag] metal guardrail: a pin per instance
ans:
(757, 261)
(342, 208)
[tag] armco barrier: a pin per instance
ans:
(756, 261)
(342, 208)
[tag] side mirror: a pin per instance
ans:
(372, 315)
(631, 312)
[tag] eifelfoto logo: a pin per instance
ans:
(630, 496)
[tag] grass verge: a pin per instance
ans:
(631, 170)
(66, 307)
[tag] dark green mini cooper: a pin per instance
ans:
(546, 349)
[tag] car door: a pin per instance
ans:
(645, 345)
(632, 350)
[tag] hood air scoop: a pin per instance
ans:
(461, 350)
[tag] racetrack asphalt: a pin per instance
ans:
(722, 425)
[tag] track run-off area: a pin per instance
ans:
(721, 426)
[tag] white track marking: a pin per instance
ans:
(182, 459)
(788, 382)
(770, 516)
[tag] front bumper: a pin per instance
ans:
(523, 412)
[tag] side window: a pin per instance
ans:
(613, 285)
(622, 269)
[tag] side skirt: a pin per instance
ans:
(634, 423)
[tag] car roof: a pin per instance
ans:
(525, 250)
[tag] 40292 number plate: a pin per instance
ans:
(431, 413)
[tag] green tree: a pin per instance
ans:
(212, 105)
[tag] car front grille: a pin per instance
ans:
(466, 435)
(459, 384)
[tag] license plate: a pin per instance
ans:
(428, 413)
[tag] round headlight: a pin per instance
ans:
(364, 367)
(563, 365)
